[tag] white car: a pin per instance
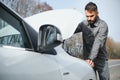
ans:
(30, 49)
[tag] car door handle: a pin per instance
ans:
(66, 73)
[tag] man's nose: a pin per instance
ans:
(89, 18)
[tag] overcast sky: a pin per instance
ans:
(109, 10)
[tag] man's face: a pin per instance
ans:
(91, 16)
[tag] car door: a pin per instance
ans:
(18, 60)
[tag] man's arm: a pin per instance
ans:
(99, 41)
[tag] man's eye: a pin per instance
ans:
(92, 16)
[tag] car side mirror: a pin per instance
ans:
(48, 38)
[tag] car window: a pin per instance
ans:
(9, 35)
(11, 31)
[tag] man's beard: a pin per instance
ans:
(92, 22)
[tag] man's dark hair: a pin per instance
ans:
(91, 7)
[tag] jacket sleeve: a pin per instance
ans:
(79, 28)
(100, 40)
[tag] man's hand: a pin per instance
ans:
(90, 62)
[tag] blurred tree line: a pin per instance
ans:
(113, 48)
(27, 8)
(73, 45)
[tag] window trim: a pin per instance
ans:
(20, 22)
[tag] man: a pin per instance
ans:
(95, 33)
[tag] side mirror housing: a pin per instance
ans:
(49, 37)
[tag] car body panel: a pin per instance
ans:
(72, 67)
(18, 64)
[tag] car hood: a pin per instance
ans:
(66, 20)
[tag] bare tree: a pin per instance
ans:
(27, 7)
